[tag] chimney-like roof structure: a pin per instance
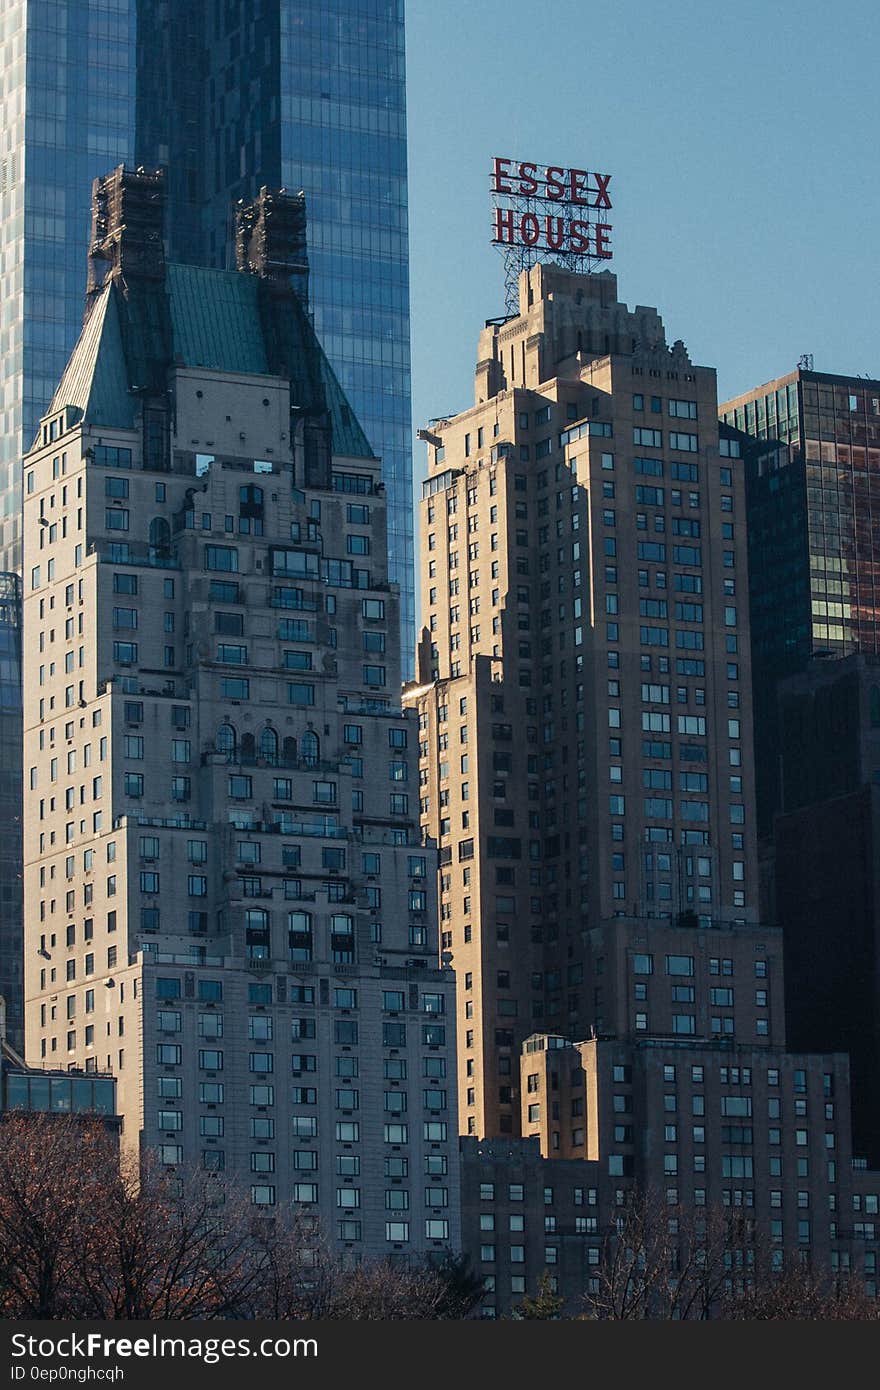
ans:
(144, 317)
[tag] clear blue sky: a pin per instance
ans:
(743, 142)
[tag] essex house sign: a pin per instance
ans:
(548, 212)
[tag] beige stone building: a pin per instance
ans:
(688, 1100)
(705, 1130)
(583, 694)
(229, 902)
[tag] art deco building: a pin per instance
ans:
(289, 94)
(228, 99)
(583, 694)
(11, 958)
(229, 903)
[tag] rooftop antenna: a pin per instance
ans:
(805, 362)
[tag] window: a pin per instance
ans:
(680, 965)
(300, 694)
(235, 688)
(652, 439)
(686, 443)
(231, 655)
(221, 557)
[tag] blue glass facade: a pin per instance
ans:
(343, 140)
(297, 93)
(301, 94)
(67, 82)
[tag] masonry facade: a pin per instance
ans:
(586, 766)
(583, 694)
(690, 1135)
(723, 1123)
(229, 903)
(11, 948)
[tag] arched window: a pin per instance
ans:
(257, 937)
(342, 938)
(875, 707)
(299, 935)
(225, 740)
(160, 538)
(269, 745)
(309, 748)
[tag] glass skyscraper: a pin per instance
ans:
(301, 94)
(282, 93)
(812, 453)
(343, 140)
(67, 84)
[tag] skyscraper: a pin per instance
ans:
(826, 870)
(296, 94)
(583, 691)
(813, 489)
(260, 92)
(11, 958)
(67, 88)
(228, 898)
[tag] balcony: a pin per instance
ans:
(303, 603)
(239, 759)
(140, 555)
(171, 958)
(182, 822)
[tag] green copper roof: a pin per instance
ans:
(223, 321)
(95, 379)
(215, 320)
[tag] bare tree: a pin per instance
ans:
(309, 1280)
(381, 1291)
(793, 1288)
(296, 1276)
(54, 1172)
(83, 1235)
(175, 1246)
(665, 1262)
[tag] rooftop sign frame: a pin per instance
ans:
(547, 212)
